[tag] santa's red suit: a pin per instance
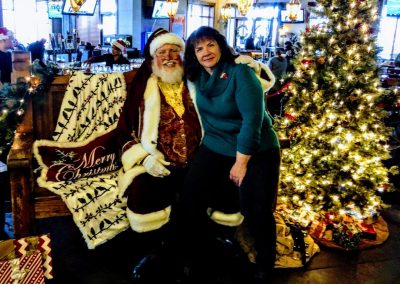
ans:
(161, 133)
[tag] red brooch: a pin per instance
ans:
(224, 76)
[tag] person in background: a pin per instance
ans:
(18, 46)
(249, 43)
(116, 56)
(37, 51)
(6, 44)
(278, 66)
(237, 165)
(162, 130)
(289, 50)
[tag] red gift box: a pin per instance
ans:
(317, 229)
(25, 246)
(24, 270)
(368, 231)
(11, 249)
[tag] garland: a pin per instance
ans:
(12, 100)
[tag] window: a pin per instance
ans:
(389, 35)
(261, 22)
(108, 11)
(199, 15)
(39, 23)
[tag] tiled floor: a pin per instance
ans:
(112, 261)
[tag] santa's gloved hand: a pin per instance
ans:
(253, 64)
(156, 167)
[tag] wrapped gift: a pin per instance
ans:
(22, 270)
(18, 248)
(26, 246)
(368, 231)
(347, 236)
(317, 229)
(331, 218)
(372, 218)
(348, 219)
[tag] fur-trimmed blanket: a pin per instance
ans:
(91, 107)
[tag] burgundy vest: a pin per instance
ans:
(178, 138)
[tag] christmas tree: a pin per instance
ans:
(333, 119)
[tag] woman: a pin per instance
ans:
(239, 156)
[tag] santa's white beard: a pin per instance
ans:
(168, 75)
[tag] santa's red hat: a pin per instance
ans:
(5, 33)
(165, 38)
(121, 45)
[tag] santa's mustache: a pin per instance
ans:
(170, 62)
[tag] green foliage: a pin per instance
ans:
(334, 119)
(12, 101)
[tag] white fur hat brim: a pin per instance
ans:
(168, 38)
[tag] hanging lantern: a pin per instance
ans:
(172, 8)
(244, 6)
(226, 12)
(293, 9)
(77, 4)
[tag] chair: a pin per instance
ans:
(30, 201)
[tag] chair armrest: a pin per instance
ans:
(20, 155)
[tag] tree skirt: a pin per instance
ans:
(293, 248)
(382, 234)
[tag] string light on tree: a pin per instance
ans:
(338, 136)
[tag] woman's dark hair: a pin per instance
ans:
(191, 64)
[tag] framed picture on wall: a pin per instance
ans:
(285, 17)
(87, 9)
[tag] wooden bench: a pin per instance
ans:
(30, 201)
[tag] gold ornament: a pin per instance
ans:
(76, 4)
(321, 60)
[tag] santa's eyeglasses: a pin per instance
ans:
(165, 52)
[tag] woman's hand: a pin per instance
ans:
(239, 168)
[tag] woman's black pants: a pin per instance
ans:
(207, 187)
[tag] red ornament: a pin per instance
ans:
(291, 117)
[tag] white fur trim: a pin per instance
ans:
(192, 92)
(148, 222)
(3, 37)
(266, 85)
(151, 116)
(169, 38)
(231, 220)
(257, 67)
(125, 178)
(148, 137)
(133, 156)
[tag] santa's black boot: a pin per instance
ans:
(153, 245)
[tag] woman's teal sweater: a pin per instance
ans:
(232, 111)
